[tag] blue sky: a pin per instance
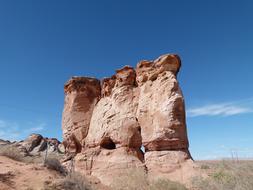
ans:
(44, 43)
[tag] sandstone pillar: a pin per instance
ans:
(81, 95)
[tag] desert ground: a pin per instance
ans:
(19, 172)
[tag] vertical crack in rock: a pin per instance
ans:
(138, 107)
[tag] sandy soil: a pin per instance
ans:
(15, 175)
(22, 176)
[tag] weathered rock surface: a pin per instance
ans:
(106, 164)
(81, 95)
(162, 119)
(133, 108)
(4, 142)
(34, 145)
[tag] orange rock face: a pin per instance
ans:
(107, 126)
(81, 95)
(162, 120)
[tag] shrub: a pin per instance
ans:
(55, 164)
(205, 167)
(7, 178)
(75, 181)
(132, 179)
(11, 152)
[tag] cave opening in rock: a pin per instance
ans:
(107, 143)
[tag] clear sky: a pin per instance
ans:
(44, 43)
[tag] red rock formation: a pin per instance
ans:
(142, 106)
(81, 95)
(163, 119)
(107, 85)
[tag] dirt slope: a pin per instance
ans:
(23, 176)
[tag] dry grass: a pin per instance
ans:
(132, 179)
(222, 175)
(138, 180)
(15, 153)
(11, 152)
(55, 164)
(73, 181)
(163, 184)
(226, 175)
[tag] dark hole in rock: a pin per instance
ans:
(139, 129)
(107, 143)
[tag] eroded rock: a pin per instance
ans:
(137, 107)
(81, 95)
(34, 145)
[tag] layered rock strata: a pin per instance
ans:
(143, 108)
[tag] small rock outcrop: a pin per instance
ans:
(4, 142)
(34, 145)
(107, 125)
